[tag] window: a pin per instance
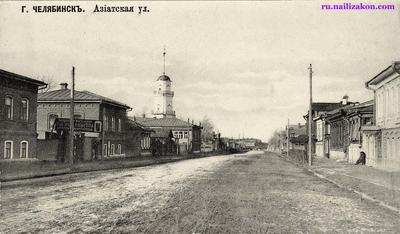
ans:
(119, 150)
(119, 125)
(24, 109)
(185, 135)
(180, 135)
(112, 149)
(77, 116)
(9, 108)
(8, 149)
(113, 123)
(105, 149)
(97, 126)
(105, 124)
(23, 152)
(52, 120)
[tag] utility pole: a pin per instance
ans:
(287, 138)
(71, 120)
(310, 117)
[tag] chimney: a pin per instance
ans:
(64, 86)
(344, 100)
(144, 115)
(299, 125)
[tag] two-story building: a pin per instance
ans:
(109, 142)
(18, 96)
(382, 141)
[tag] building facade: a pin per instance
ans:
(187, 135)
(382, 145)
(319, 129)
(138, 141)
(18, 96)
(108, 142)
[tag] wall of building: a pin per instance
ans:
(45, 109)
(18, 130)
(388, 103)
(113, 136)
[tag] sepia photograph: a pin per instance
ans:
(273, 116)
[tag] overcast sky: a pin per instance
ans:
(243, 64)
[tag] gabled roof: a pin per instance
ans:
(63, 95)
(14, 76)
(163, 122)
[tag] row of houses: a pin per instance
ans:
(341, 130)
(35, 125)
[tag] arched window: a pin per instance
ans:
(23, 151)
(8, 149)
(24, 109)
(9, 108)
(119, 149)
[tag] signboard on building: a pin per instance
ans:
(80, 125)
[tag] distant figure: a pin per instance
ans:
(361, 160)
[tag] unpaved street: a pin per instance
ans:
(251, 193)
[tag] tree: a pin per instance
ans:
(207, 133)
(51, 84)
(277, 137)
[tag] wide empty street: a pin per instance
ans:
(255, 192)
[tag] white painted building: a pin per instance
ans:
(382, 142)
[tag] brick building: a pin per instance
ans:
(18, 96)
(109, 142)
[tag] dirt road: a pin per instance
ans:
(252, 193)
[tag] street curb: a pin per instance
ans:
(25, 180)
(362, 194)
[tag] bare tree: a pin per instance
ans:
(207, 133)
(49, 80)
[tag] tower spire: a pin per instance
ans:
(164, 61)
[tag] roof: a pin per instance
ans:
(365, 108)
(326, 106)
(161, 133)
(390, 70)
(298, 129)
(163, 122)
(164, 78)
(63, 95)
(14, 76)
(133, 125)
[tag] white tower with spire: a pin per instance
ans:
(163, 96)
